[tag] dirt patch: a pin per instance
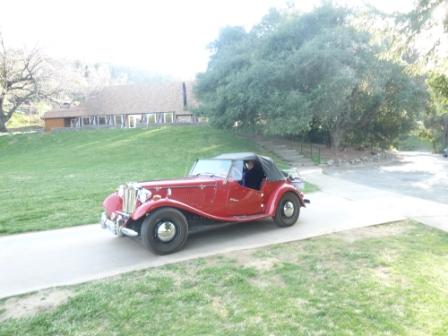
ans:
(248, 259)
(388, 278)
(261, 264)
(389, 256)
(264, 282)
(376, 231)
(382, 274)
(219, 308)
(27, 306)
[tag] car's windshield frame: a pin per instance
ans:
(191, 173)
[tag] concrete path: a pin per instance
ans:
(428, 212)
(40, 260)
(419, 174)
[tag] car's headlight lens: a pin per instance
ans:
(144, 195)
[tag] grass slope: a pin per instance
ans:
(57, 180)
(384, 280)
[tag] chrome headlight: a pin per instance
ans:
(144, 195)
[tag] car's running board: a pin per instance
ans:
(248, 218)
(307, 201)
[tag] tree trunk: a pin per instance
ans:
(3, 122)
(445, 130)
(336, 137)
(3, 118)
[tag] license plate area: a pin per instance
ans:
(112, 226)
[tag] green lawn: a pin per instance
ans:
(57, 180)
(385, 280)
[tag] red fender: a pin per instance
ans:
(275, 198)
(112, 203)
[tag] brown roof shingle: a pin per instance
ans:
(131, 99)
(65, 113)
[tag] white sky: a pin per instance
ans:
(164, 36)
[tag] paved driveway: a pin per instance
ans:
(40, 260)
(418, 174)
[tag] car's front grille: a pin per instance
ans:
(129, 198)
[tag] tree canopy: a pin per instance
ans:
(294, 74)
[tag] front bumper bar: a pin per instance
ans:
(116, 226)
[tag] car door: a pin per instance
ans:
(243, 201)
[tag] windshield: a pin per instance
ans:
(218, 168)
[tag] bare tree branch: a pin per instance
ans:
(24, 77)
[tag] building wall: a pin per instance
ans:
(117, 121)
(53, 123)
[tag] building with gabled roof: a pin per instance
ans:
(128, 106)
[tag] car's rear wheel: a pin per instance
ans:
(165, 231)
(288, 210)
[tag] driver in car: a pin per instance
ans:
(253, 175)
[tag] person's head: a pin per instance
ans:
(250, 164)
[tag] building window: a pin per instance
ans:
(151, 118)
(169, 117)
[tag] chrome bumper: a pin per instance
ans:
(116, 226)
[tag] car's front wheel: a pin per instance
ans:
(165, 231)
(288, 210)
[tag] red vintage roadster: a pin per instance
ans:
(235, 187)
